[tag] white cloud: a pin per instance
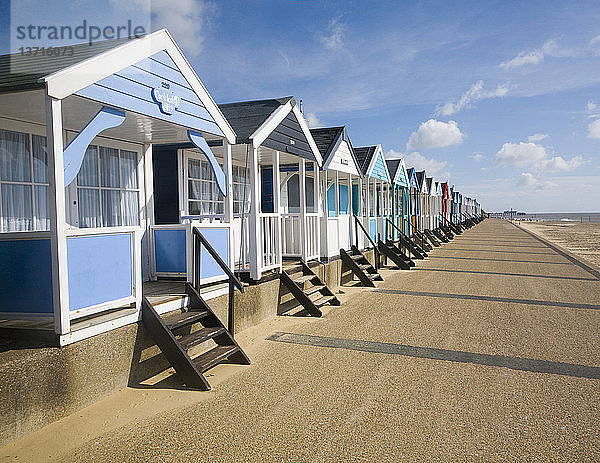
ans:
(521, 154)
(536, 137)
(535, 56)
(475, 93)
(185, 19)
(591, 106)
(335, 39)
(435, 134)
(594, 129)
(313, 121)
(529, 181)
(558, 164)
(535, 157)
(477, 157)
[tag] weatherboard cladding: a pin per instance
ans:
(289, 137)
(336, 149)
(132, 89)
(412, 176)
(22, 72)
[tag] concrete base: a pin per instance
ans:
(41, 384)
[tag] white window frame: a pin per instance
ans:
(29, 129)
(72, 210)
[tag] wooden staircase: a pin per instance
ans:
(175, 336)
(431, 237)
(360, 266)
(308, 289)
(441, 235)
(395, 254)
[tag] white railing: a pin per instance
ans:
(312, 236)
(271, 255)
(291, 229)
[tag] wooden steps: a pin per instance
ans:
(431, 237)
(313, 297)
(360, 266)
(395, 254)
(174, 336)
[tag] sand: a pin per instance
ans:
(580, 239)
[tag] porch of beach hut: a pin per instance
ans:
(78, 185)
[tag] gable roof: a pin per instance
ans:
(246, 117)
(65, 76)
(363, 156)
(392, 165)
(276, 123)
(373, 163)
(420, 179)
(412, 178)
(398, 172)
(328, 139)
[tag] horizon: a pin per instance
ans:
(502, 100)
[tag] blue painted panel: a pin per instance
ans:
(169, 251)
(379, 171)
(100, 269)
(355, 200)
(26, 276)
(131, 89)
(343, 207)
(219, 240)
(373, 229)
(331, 201)
(143, 91)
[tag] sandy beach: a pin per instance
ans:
(581, 239)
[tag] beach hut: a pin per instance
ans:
(414, 198)
(400, 196)
(421, 192)
(340, 171)
(375, 190)
(81, 172)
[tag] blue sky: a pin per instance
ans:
(502, 98)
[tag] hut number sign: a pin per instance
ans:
(166, 99)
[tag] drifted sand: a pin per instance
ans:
(581, 239)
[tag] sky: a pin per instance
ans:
(500, 98)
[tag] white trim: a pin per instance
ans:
(308, 135)
(113, 304)
(56, 207)
(69, 80)
(84, 333)
(270, 124)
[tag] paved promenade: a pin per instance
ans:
(487, 351)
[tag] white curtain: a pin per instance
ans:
(131, 208)
(88, 199)
(17, 210)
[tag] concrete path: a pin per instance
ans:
(487, 351)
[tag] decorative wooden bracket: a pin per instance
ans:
(198, 140)
(75, 151)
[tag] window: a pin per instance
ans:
(241, 189)
(108, 188)
(23, 182)
(204, 197)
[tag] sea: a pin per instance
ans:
(559, 216)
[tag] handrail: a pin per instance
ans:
(357, 221)
(416, 232)
(450, 224)
(402, 235)
(232, 278)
